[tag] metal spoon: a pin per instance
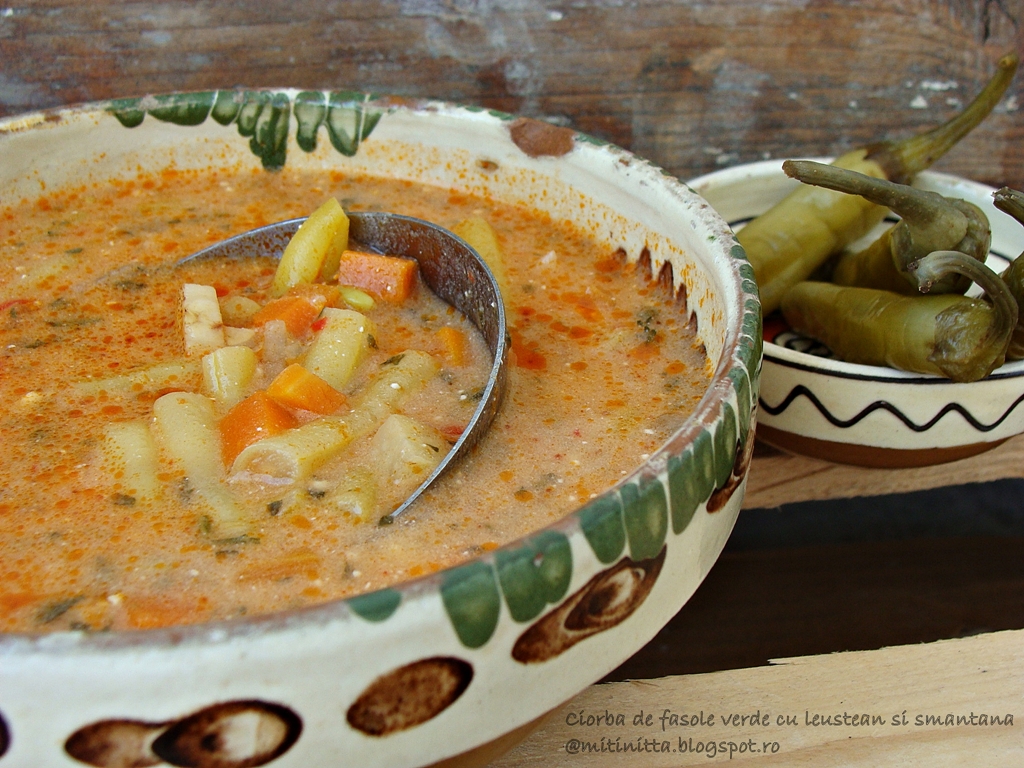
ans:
(448, 265)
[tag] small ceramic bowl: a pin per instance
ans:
(453, 667)
(816, 405)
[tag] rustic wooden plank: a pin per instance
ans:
(691, 86)
(777, 477)
(975, 679)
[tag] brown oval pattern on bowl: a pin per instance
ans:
(603, 602)
(233, 734)
(410, 695)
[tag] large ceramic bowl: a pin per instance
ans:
(441, 667)
(814, 404)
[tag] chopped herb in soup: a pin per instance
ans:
(149, 410)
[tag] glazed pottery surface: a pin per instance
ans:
(814, 404)
(433, 668)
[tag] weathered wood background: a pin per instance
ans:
(693, 86)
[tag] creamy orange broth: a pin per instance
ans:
(604, 369)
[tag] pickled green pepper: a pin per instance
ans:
(961, 338)
(929, 222)
(787, 243)
(1011, 202)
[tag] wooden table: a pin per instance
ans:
(693, 87)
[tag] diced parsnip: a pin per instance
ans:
(389, 278)
(295, 387)
(238, 310)
(132, 457)
(296, 454)
(358, 300)
(256, 418)
(314, 250)
(296, 312)
(176, 373)
(355, 493)
(227, 374)
(340, 346)
(404, 451)
(201, 321)
(481, 236)
(186, 430)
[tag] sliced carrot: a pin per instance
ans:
(297, 387)
(256, 417)
(297, 312)
(456, 344)
(390, 278)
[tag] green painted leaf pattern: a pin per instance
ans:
(741, 381)
(350, 120)
(376, 606)
(310, 111)
(535, 574)
(269, 141)
(645, 513)
(249, 113)
(127, 111)
(264, 117)
(703, 479)
(601, 522)
(471, 599)
(725, 441)
(226, 107)
(685, 490)
(183, 108)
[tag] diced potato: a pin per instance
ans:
(314, 251)
(227, 374)
(481, 236)
(405, 451)
(201, 320)
(340, 346)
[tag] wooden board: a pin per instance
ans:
(691, 86)
(777, 477)
(933, 705)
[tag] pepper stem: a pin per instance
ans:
(938, 264)
(905, 158)
(918, 208)
(1010, 202)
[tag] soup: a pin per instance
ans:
(604, 369)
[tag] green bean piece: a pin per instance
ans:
(961, 338)
(1011, 202)
(929, 222)
(787, 243)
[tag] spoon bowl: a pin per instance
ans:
(449, 266)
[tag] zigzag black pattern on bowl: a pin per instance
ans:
(881, 405)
